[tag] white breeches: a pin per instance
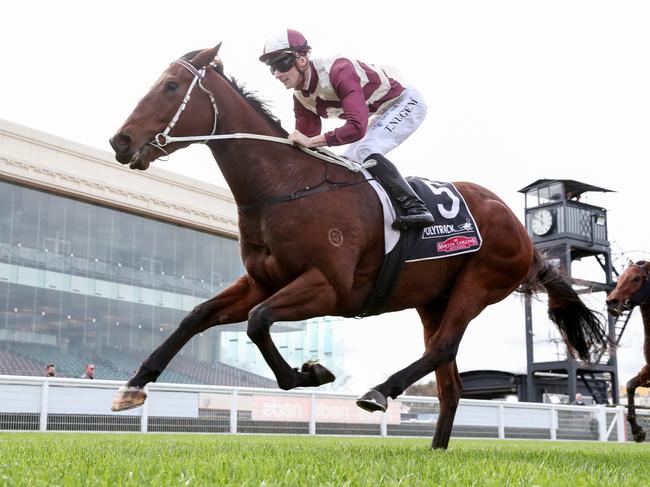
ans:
(390, 128)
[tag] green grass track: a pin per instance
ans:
(74, 459)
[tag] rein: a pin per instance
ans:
(160, 140)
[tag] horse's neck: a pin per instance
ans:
(255, 169)
(645, 314)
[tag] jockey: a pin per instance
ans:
(379, 112)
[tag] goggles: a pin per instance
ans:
(283, 63)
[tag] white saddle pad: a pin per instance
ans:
(391, 236)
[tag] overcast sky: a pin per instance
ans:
(517, 91)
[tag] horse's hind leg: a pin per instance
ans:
(469, 297)
(441, 349)
(449, 389)
(447, 379)
(641, 379)
(230, 306)
(308, 296)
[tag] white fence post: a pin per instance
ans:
(233, 412)
(144, 413)
(502, 426)
(621, 432)
(45, 393)
(312, 415)
(554, 422)
(601, 415)
(383, 426)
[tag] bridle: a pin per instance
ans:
(162, 139)
(643, 293)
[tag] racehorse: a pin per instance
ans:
(312, 243)
(632, 289)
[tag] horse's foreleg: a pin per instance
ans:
(641, 379)
(230, 306)
(308, 296)
(449, 389)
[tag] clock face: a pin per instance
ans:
(541, 222)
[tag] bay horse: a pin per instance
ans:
(632, 289)
(321, 254)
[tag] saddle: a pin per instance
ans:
(454, 232)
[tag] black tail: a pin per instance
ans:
(579, 326)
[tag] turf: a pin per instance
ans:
(72, 459)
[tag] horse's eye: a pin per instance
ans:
(636, 278)
(171, 86)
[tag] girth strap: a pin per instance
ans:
(301, 193)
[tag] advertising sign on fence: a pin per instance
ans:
(328, 410)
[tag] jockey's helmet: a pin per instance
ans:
(288, 41)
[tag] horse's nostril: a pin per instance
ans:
(123, 140)
(120, 142)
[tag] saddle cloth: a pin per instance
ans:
(454, 231)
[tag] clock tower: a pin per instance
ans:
(555, 216)
(566, 230)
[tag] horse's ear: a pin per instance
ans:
(217, 63)
(205, 57)
(629, 262)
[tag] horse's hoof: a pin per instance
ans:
(372, 401)
(128, 398)
(639, 436)
(318, 374)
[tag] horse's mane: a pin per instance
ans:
(250, 96)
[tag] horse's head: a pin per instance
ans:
(632, 288)
(179, 90)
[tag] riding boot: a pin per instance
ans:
(417, 215)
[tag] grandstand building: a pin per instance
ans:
(99, 263)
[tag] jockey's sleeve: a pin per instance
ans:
(347, 85)
(307, 122)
